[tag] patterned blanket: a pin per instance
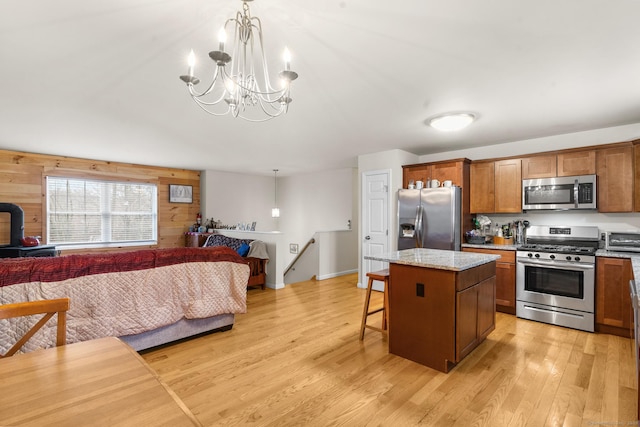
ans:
(117, 294)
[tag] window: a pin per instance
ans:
(84, 213)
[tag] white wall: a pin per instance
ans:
(387, 160)
(558, 142)
(321, 201)
(605, 222)
(237, 197)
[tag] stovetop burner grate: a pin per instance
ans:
(562, 249)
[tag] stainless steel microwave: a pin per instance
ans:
(560, 193)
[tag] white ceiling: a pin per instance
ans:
(99, 79)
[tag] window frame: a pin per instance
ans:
(69, 175)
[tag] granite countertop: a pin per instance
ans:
(491, 246)
(435, 258)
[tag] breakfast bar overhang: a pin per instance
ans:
(441, 304)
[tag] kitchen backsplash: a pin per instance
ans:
(605, 222)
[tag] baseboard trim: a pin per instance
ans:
(338, 274)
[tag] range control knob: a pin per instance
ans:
(529, 254)
(552, 256)
(576, 258)
(568, 258)
(537, 255)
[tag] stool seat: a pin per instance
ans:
(381, 276)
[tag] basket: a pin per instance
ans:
(476, 240)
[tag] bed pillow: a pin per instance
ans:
(243, 250)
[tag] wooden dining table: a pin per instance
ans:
(102, 382)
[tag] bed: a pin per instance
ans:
(146, 297)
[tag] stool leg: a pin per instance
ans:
(385, 312)
(365, 312)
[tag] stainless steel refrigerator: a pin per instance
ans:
(430, 218)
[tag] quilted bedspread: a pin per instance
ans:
(117, 294)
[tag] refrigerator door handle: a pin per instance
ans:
(418, 226)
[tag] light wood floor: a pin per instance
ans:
(295, 359)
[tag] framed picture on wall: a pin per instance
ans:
(180, 193)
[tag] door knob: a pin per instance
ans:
(367, 238)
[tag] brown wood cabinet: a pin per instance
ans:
(614, 167)
(195, 240)
(482, 187)
(614, 314)
(437, 317)
(496, 187)
(456, 170)
(572, 163)
(539, 167)
(505, 278)
(636, 178)
(508, 192)
(475, 316)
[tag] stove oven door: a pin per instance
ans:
(556, 292)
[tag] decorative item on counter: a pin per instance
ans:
(198, 219)
(475, 237)
(30, 241)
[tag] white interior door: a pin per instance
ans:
(375, 221)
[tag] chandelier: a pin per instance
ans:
(242, 86)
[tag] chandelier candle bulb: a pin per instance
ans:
(191, 60)
(287, 59)
(240, 85)
(222, 38)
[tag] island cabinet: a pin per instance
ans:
(496, 187)
(505, 278)
(614, 313)
(615, 178)
(437, 316)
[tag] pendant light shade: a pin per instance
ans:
(275, 211)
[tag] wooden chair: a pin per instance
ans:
(381, 276)
(46, 307)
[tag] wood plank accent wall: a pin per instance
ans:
(22, 181)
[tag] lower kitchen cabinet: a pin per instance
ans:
(475, 316)
(505, 278)
(614, 314)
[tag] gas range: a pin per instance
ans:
(555, 276)
(567, 243)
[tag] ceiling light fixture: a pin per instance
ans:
(451, 121)
(244, 90)
(275, 212)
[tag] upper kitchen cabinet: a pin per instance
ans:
(636, 164)
(482, 187)
(539, 167)
(614, 167)
(508, 191)
(572, 163)
(496, 187)
(421, 172)
(456, 171)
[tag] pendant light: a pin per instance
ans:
(275, 212)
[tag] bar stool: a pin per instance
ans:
(381, 276)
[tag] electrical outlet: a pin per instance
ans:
(293, 248)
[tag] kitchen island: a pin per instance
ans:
(441, 304)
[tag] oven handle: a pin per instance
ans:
(541, 310)
(558, 265)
